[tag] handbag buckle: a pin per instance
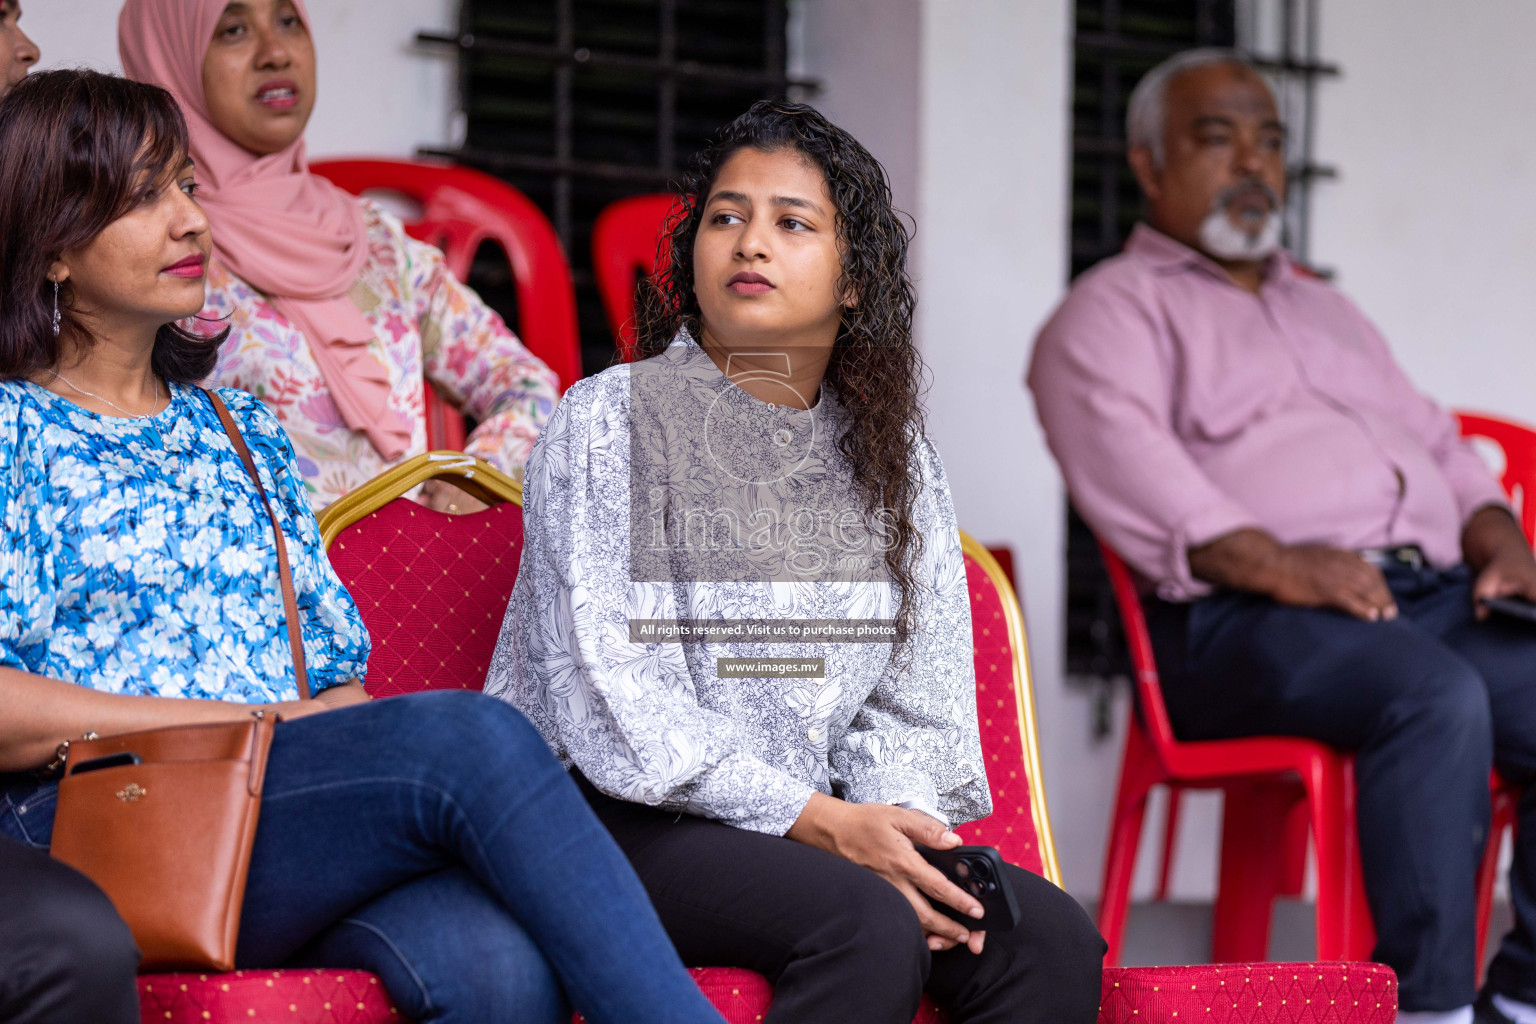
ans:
(61, 754)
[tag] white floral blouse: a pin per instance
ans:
(656, 722)
(426, 325)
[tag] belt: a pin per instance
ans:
(1410, 555)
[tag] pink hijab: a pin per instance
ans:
(289, 233)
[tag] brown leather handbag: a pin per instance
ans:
(164, 820)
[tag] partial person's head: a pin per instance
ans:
(245, 66)
(786, 233)
(1208, 150)
(18, 51)
(96, 198)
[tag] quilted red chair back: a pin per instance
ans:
(432, 588)
(1019, 826)
(625, 237)
(1518, 444)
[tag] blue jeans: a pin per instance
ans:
(1427, 703)
(434, 840)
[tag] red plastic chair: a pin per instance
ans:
(461, 209)
(1266, 781)
(1517, 444)
(1316, 993)
(625, 240)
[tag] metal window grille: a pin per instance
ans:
(1116, 42)
(581, 102)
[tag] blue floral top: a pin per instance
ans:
(135, 556)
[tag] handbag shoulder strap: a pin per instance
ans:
(284, 574)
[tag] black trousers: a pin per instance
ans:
(65, 955)
(1428, 703)
(839, 942)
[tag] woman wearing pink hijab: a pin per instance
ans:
(335, 314)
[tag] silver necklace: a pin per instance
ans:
(107, 401)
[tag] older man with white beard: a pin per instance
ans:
(1315, 540)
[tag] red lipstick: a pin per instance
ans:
(188, 267)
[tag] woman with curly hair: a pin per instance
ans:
(742, 614)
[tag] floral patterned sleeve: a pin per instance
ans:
(915, 741)
(26, 612)
(627, 714)
(336, 642)
(480, 365)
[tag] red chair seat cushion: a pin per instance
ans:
(1302, 993)
(308, 996)
(1298, 993)
(743, 997)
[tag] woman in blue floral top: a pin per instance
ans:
(431, 838)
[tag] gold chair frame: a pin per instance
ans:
(475, 477)
(1024, 698)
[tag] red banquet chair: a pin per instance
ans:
(625, 237)
(461, 210)
(432, 589)
(398, 560)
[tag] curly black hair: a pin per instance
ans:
(875, 370)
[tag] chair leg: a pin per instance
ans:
(1343, 917)
(1252, 868)
(1139, 772)
(1488, 870)
(1170, 839)
(1293, 878)
(1359, 928)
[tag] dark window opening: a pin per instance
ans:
(581, 102)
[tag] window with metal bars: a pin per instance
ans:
(1116, 42)
(581, 102)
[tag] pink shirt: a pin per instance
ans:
(1181, 408)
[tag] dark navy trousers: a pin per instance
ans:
(1427, 703)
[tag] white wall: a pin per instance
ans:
(992, 262)
(1432, 223)
(866, 54)
(378, 92)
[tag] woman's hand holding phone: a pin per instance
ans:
(884, 839)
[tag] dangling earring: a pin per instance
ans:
(55, 308)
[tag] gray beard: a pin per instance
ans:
(1225, 241)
